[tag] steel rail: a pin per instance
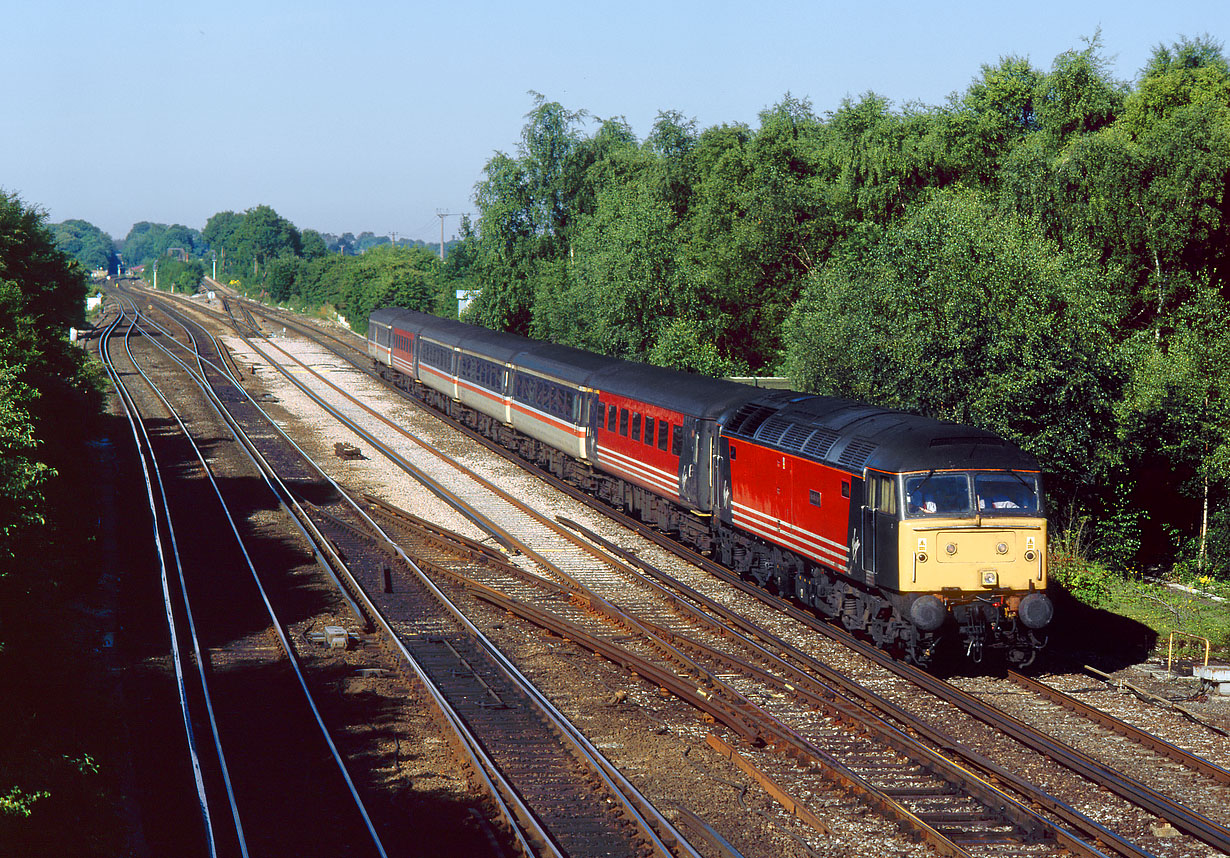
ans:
(798, 684)
(517, 817)
(149, 464)
(274, 619)
(730, 717)
(637, 807)
(1156, 803)
(1148, 740)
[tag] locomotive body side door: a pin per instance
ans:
(868, 540)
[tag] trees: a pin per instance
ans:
(147, 241)
(220, 235)
(262, 237)
(86, 243)
(49, 405)
(42, 378)
(964, 313)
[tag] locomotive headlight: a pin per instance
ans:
(1001, 548)
(922, 557)
(920, 553)
(1030, 556)
(951, 548)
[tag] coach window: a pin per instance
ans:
(636, 426)
(649, 430)
(612, 415)
(664, 431)
(677, 440)
(623, 422)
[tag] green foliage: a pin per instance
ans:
(995, 115)
(384, 276)
(175, 275)
(18, 803)
(147, 241)
(90, 246)
(263, 237)
(1077, 96)
(1088, 581)
(966, 314)
(42, 378)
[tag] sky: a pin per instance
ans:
(379, 116)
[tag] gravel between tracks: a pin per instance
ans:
(658, 742)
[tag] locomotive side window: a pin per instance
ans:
(663, 434)
(888, 495)
(636, 426)
(649, 430)
(845, 488)
(677, 440)
(813, 497)
(623, 422)
(612, 415)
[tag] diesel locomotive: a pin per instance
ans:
(912, 531)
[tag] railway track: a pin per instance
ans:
(234, 665)
(553, 790)
(1211, 833)
(1097, 834)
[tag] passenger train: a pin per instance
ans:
(909, 530)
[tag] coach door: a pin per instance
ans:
(690, 459)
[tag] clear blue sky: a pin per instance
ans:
(359, 116)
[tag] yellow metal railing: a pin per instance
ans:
(1170, 648)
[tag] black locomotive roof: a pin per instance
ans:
(854, 435)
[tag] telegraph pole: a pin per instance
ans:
(442, 216)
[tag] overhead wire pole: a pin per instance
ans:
(442, 216)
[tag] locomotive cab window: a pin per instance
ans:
(1007, 493)
(937, 494)
(987, 493)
